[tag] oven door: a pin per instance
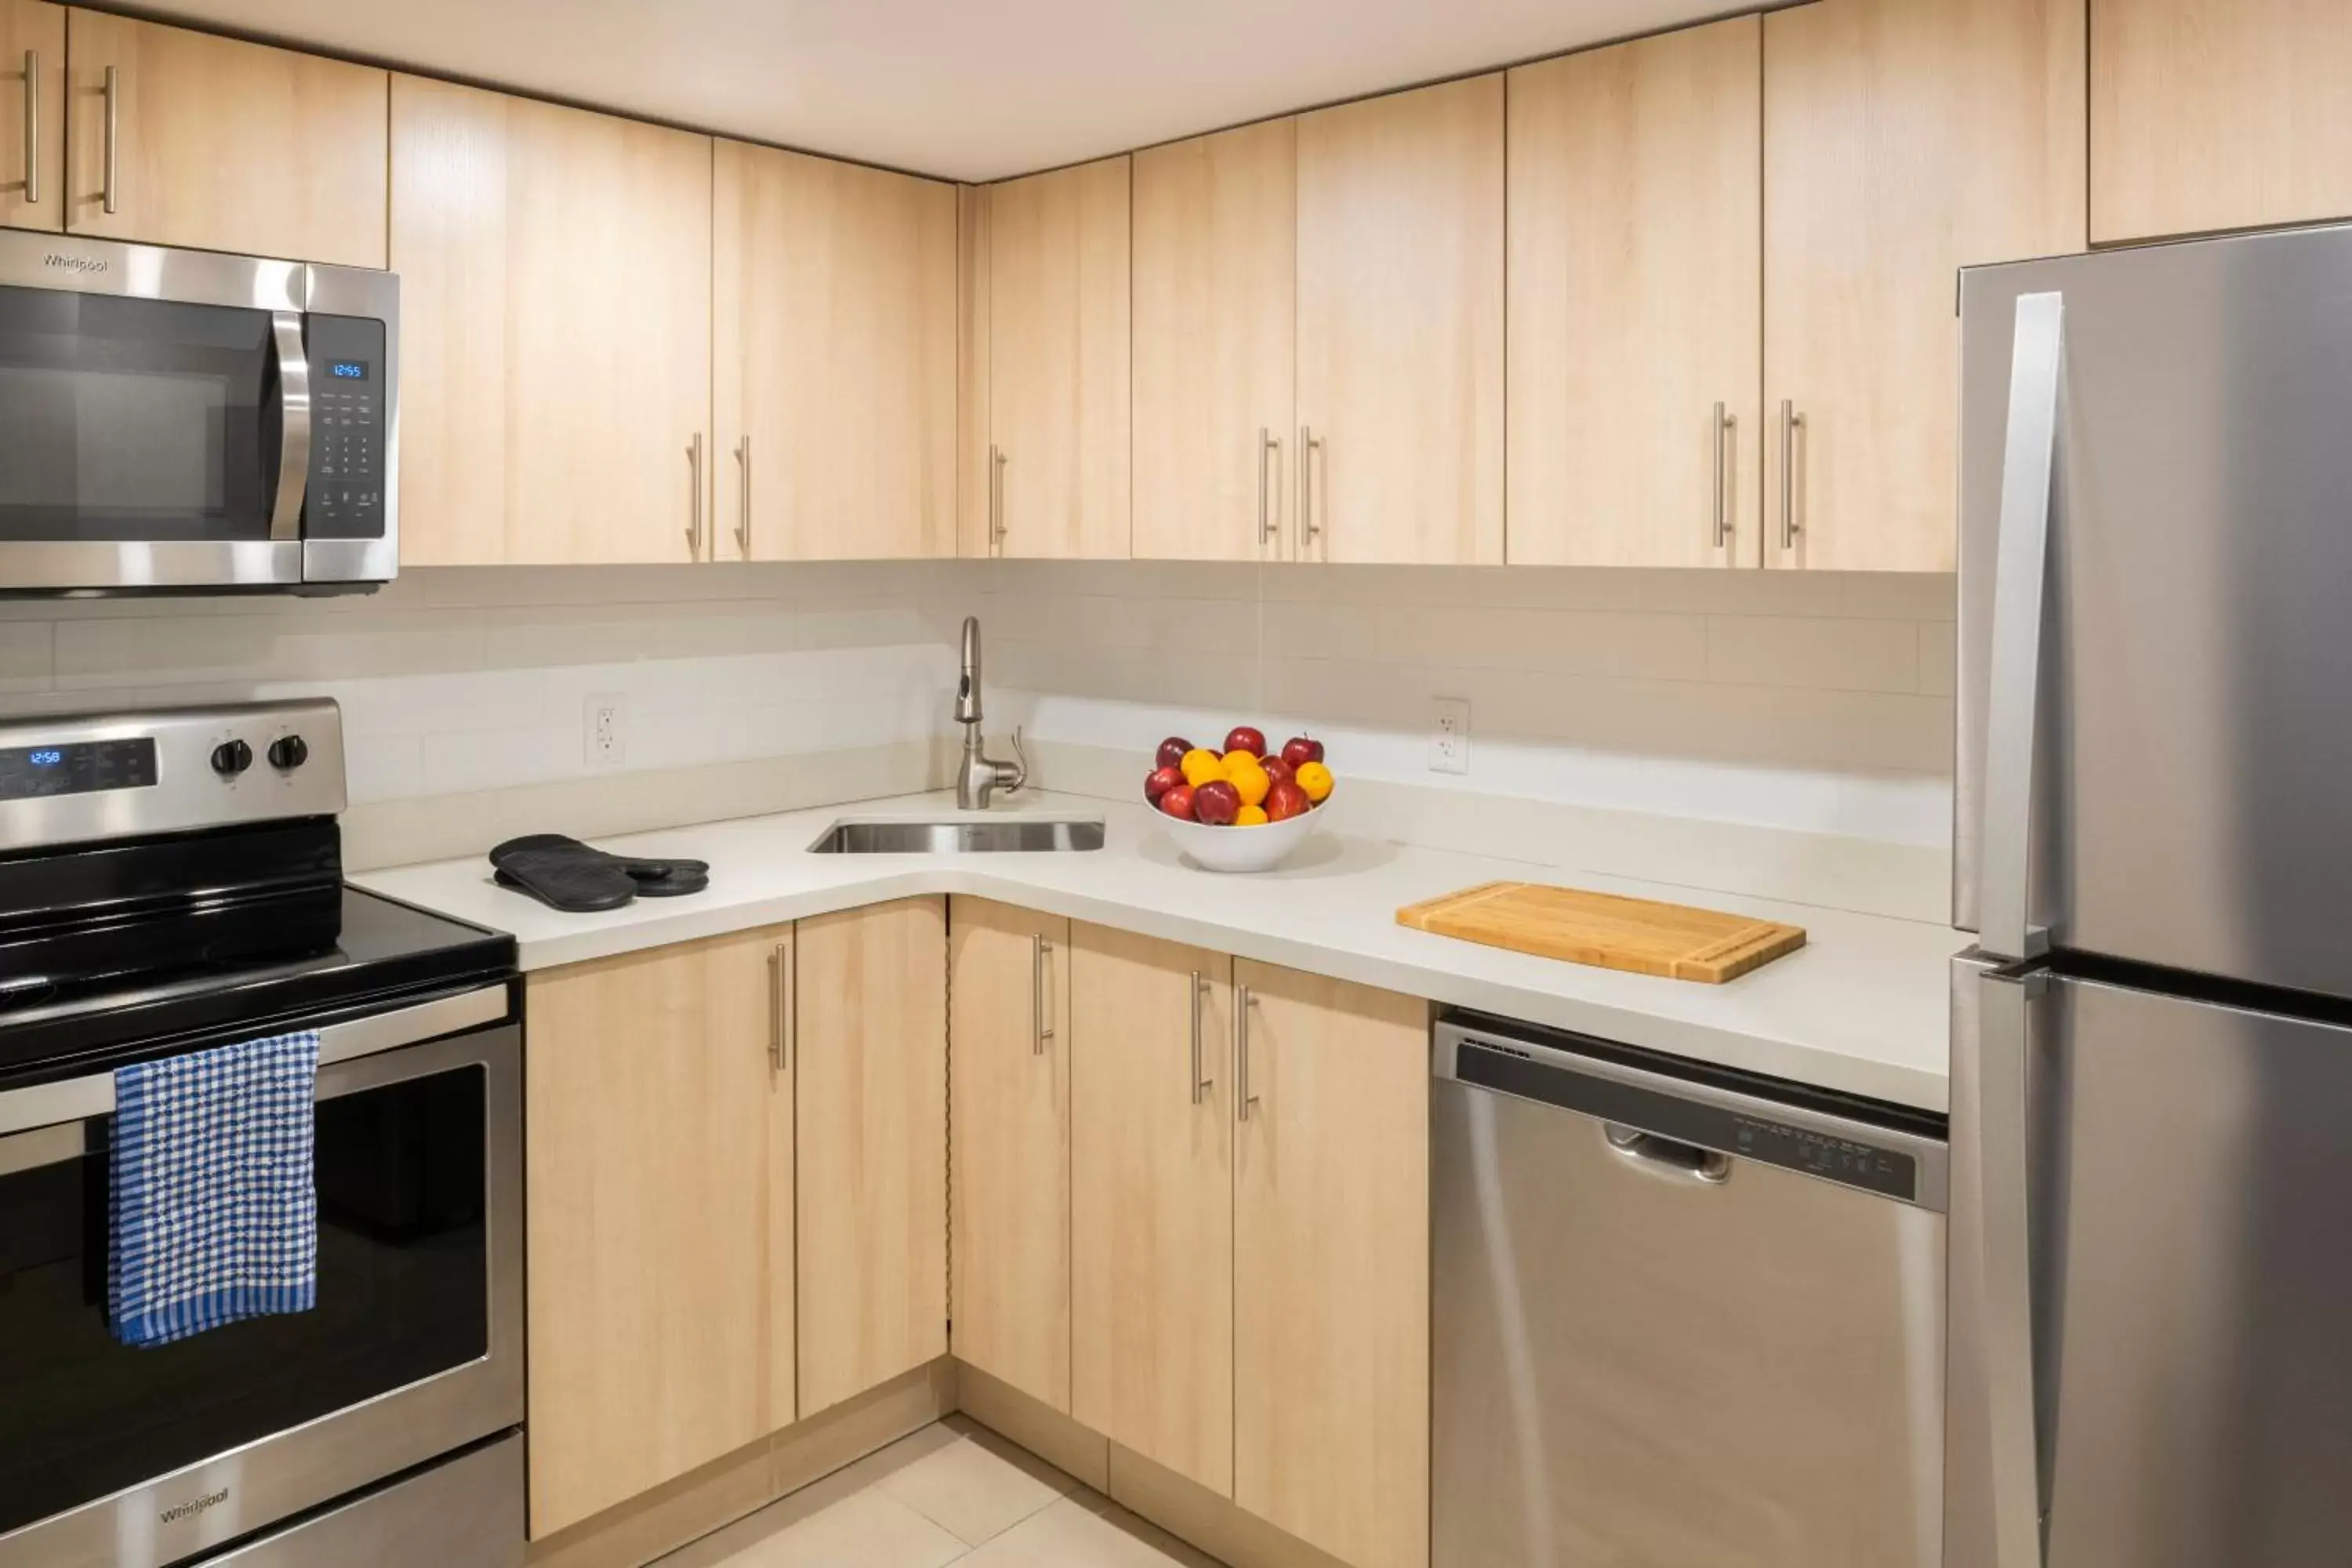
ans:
(115, 1457)
(155, 417)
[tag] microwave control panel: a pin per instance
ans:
(348, 416)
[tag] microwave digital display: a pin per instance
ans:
(348, 370)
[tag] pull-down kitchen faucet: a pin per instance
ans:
(981, 776)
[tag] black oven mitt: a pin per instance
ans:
(565, 874)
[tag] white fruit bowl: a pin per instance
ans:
(1259, 849)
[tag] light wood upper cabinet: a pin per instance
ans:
(835, 332)
(1216, 225)
(653, 1108)
(1902, 141)
(870, 1035)
(555, 331)
(1057, 282)
(1151, 1223)
(1400, 326)
(1011, 1022)
(2214, 114)
(1331, 1265)
(1636, 329)
(223, 145)
(32, 114)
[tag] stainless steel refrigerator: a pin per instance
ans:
(2151, 1233)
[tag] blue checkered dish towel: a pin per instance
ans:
(216, 1208)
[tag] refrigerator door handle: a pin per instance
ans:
(2004, 1056)
(2021, 577)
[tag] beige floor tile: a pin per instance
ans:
(869, 1529)
(975, 1490)
(728, 1545)
(1085, 1531)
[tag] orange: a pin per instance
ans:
(1251, 815)
(1251, 779)
(1200, 766)
(1233, 759)
(1316, 780)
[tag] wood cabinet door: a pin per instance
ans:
(1151, 1216)
(1902, 141)
(1401, 327)
(1331, 1264)
(1010, 1038)
(216, 144)
(1636, 316)
(652, 1106)
(2216, 114)
(32, 114)
(833, 315)
(1058, 280)
(1216, 278)
(555, 331)
(871, 1033)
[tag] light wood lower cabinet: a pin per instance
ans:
(555, 333)
(1331, 1265)
(870, 1032)
(1152, 1217)
(1012, 1036)
(218, 144)
(32, 114)
(659, 1220)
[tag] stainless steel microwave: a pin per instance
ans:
(183, 421)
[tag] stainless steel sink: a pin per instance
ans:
(1019, 834)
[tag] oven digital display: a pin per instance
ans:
(84, 767)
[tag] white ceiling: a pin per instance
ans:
(970, 90)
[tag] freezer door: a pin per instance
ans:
(2195, 748)
(2186, 1274)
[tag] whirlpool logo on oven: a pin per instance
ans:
(193, 1506)
(75, 263)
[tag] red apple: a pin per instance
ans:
(1216, 802)
(1161, 781)
(1287, 800)
(1178, 803)
(1172, 752)
(1277, 770)
(1245, 738)
(1300, 750)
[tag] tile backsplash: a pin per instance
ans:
(1790, 703)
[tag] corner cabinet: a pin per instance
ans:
(555, 333)
(1902, 141)
(1400, 242)
(184, 139)
(834, 332)
(32, 114)
(1057, 380)
(656, 1103)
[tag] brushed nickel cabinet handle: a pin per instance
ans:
(780, 987)
(1244, 1096)
(1201, 1081)
(996, 460)
(113, 131)
(1724, 423)
(1790, 423)
(1309, 444)
(1267, 445)
(743, 526)
(1041, 1030)
(694, 516)
(32, 128)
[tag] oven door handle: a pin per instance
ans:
(79, 1098)
(294, 425)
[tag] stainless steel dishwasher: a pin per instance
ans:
(1682, 1318)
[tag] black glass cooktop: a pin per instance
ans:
(128, 952)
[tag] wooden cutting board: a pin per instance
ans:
(1673, 941)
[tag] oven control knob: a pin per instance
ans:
(288, 753)
(231, 758)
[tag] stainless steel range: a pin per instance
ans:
(169, 882)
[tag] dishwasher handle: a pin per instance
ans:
(1667, 1155)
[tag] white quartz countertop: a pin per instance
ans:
(1862, 1008)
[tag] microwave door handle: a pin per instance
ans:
(2020, 609)
(294, 424)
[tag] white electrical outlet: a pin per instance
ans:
(1449, 736)
(604, 726)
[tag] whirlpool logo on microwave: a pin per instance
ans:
(75, 263)
(194, 1506)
